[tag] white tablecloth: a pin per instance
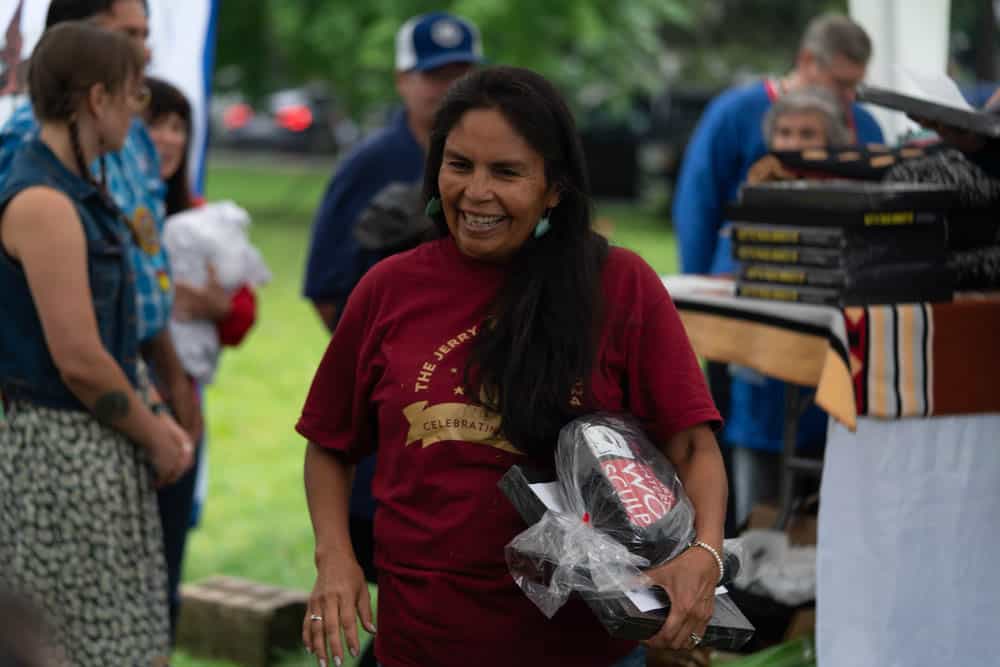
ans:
(909, 544)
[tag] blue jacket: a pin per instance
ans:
(336, 261)
(729, 139)
(27, 370)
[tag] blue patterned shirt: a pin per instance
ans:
(133, 180)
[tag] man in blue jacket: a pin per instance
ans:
(833, 54)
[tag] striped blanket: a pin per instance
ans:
(890, 362)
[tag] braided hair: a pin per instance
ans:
(68, 61)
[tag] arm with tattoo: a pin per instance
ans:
(41, 230)
(111, 407)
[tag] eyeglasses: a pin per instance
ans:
(139, 98)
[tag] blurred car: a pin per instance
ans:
(611, 147)
(639, 151)
(295, 120)
(673, 117)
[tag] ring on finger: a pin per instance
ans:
(315, 617)
(695, 639)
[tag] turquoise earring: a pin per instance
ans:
(433, 208)
(543, 226)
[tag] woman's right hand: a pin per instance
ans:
(170, 450)
(338, 598)
(210, 301)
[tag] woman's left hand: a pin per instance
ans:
(690, 580)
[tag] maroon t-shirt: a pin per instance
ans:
(392, 380)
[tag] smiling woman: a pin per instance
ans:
(467, 355)
(493, 186)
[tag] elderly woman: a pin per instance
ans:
(465, 356)
(805, 118)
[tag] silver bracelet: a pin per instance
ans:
(715, 554)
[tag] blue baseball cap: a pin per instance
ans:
(436, 39)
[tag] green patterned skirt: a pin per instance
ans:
(80, 535)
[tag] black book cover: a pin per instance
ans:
(977, 122)
(785, 254)
(868, 203)
(929, 237)
(801, 216)
(839, 297)
(891, 250)
(915, 275)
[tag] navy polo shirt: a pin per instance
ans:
(336, 261)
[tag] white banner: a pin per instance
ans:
(182, 39)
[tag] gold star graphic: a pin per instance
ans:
(459, 391)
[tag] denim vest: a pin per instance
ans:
(27, 370)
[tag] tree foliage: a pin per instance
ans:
(596, 50)
(350, 44)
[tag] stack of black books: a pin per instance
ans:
(842, 243)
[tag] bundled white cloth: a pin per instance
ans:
(777, 569)
(213, 234)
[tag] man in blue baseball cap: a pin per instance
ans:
(432, 51)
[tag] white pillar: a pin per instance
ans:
(907, 33)
(181, 38)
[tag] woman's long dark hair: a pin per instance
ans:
(536, 351)
(166, 99)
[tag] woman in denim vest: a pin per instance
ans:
(81, 453)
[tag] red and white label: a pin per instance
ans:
(645, 498)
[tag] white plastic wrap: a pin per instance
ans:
(214, 234)
(624, 510)
(777, 569)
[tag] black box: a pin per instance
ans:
(843, 296)
(913, 276)
(844, 202)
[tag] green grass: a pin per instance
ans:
(255, 524)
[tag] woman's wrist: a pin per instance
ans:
(715, 553)
(332, 552)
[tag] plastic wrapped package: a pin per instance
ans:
(214, 234)
(614, 508)
(611, 471)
